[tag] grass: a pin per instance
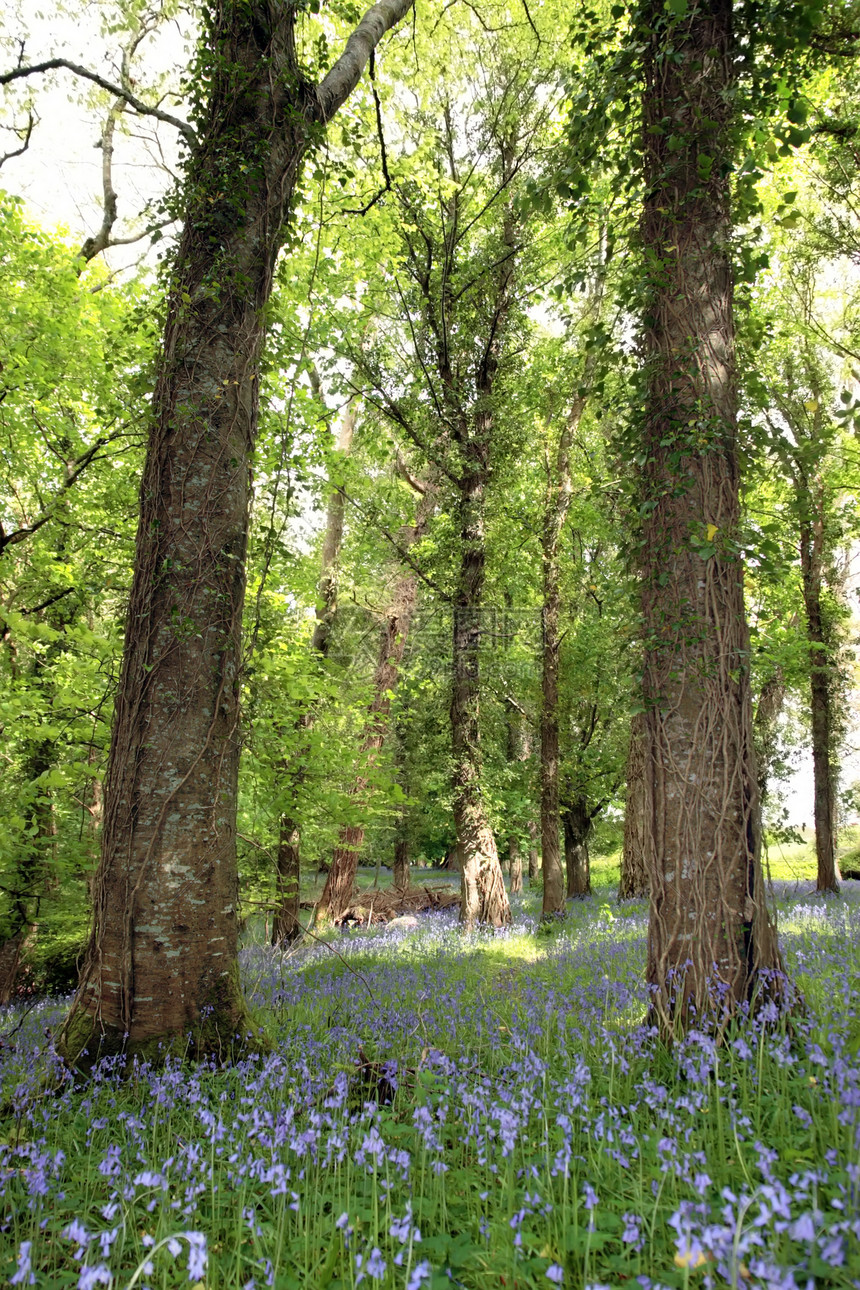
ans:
(480, 1113)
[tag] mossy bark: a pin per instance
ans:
(162, 960)
(222, 1028)
(712, 946)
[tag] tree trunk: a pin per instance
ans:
(821, 672)
(288, 872)
(11, 957)
(515, 864)
(766, 727)
(578, 824)
(483, 898)
(711, 943)
(162, 967)
(285, 924)
(634, 874)
(556, 507)
(534, 857)
(553, 877)
(337, 894)
(519, 750)
(401, 859)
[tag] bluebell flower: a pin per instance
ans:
(24, 1274)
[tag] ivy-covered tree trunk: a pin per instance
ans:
(285, 925)
(162, 966)
(711, 943)
(821, 677)
(633, 882)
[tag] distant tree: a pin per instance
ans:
(442, 370)
(633, 881)
(71, 355)
(292, 769)
(393, 634)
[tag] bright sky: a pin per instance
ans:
(60, 175)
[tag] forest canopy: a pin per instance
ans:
(428, 540)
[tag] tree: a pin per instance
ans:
(393, 635)
(809, 455)
(442, 370)
(162, 962)
(633, 881)
(285, 923)
(69, 448)
(711, 943)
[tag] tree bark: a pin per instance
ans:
(401, 858)
(766, 727)
(821, 672)
(633, 882)
(534, 857)
(483, 898)
(578, 824)
(285, 924)
(711, 943)
(162, 966)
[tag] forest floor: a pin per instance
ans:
(484, 1112)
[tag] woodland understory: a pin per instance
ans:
(429, 813)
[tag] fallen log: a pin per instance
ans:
(380, 906)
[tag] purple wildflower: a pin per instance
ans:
(97, 1276)
(420, 1273)
(197, 1256)
(24, 1274)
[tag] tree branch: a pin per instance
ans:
(31, 120)
(77, 469)
(386, 188)
(335, 88)
(401, 550)
(52, 64)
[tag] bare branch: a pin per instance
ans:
(53, 64)
(93, 246)
(349, 210)
(405, 474)
(531, 22)
(31, 121)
